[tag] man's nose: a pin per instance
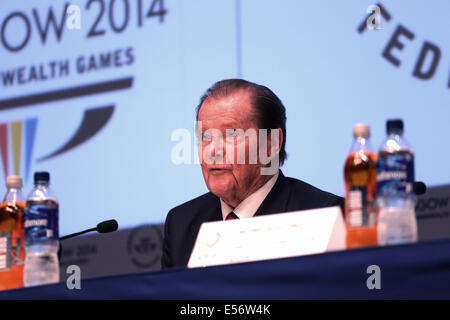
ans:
(216, 148)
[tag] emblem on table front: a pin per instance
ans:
(144, 247)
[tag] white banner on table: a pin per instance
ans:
(269, 237)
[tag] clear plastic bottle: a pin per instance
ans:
(360, 172)
(12, 235)
(41, 233)
(395, 182)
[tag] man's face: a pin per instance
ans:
(224, 175)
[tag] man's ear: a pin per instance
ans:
(280, 139)
(275, 147)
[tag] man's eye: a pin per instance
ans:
(232, 134)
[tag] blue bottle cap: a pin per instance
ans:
(43, 176)
(394, 125)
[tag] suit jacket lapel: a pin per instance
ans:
(212, 213)
(277, 199)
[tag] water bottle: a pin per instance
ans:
(41, 234)
(360, 174)
(395, 182)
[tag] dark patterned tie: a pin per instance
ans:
(231, 216)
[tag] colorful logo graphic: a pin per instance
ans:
(20, 135)
(17, 139)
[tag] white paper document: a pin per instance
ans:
(269, 237)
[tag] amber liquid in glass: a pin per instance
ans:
(360, 174)
(11, 222)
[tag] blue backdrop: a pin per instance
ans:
(98, 105)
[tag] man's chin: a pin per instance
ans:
(219, 188)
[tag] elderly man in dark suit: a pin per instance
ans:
(235, 119)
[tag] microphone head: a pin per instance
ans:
(419, 187)
(107, 226)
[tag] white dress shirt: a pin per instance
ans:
(247, 208)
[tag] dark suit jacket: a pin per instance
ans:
(183, 222)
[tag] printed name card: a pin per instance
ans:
(269, 237)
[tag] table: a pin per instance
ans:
(412, 271)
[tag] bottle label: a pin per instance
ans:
(5, 251)
(41, 224)
(395, 173)
(359, 208)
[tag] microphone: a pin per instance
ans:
(102, 227)
(419, 187)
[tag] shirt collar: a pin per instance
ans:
(248, 207)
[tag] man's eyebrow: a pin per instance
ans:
(230, 124)
(224, 126)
